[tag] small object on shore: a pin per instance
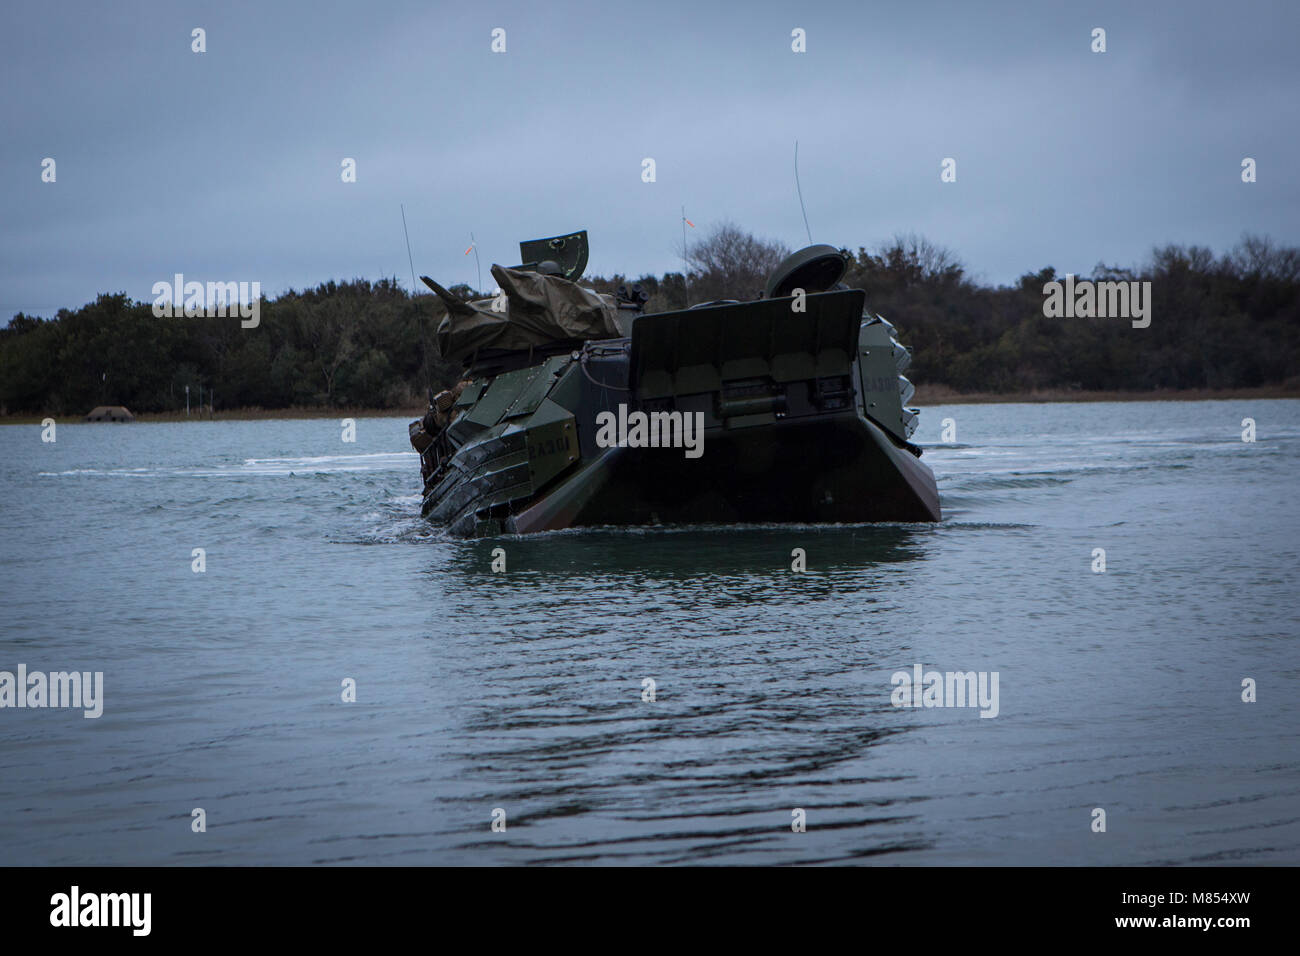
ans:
(110, 413)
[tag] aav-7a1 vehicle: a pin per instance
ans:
(578, 408)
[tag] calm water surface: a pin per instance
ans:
(523, 691)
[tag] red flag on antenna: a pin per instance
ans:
(688, 222)
(470, 249)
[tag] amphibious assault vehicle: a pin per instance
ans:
(580, 408)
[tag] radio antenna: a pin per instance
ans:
(414, 291)
(685, 269)
(800, 189)
(474, 245)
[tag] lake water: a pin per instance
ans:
(523, 691)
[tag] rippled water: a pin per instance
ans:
(523, 691)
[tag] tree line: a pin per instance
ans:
(1218, 321)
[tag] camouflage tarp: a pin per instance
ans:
(539, 310)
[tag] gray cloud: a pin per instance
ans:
(226, 164)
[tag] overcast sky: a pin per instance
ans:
(226, 165)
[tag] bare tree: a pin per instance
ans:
(333, 338)
(921, 258)
(1260, 257)
(732, 264)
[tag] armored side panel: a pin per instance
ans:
(509, 443)
(884, 391)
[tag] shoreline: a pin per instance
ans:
(926, 396)
(232, 415)
(943, 395)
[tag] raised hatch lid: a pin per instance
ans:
(569, 253)
(813, 269)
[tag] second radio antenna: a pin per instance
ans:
(800, 190)
(414, 290)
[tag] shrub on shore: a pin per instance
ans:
(1220, 322)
